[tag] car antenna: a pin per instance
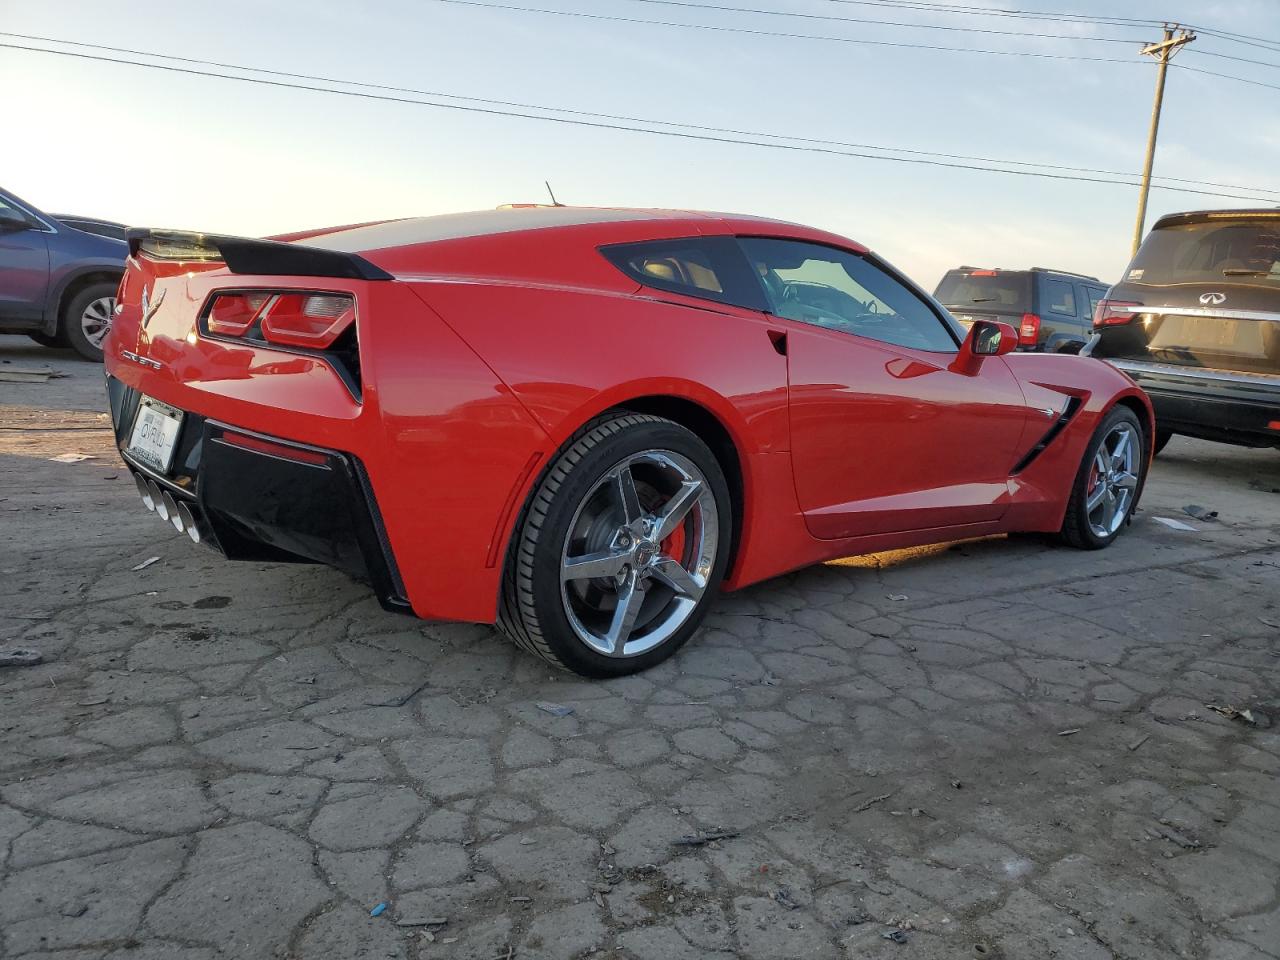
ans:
(554, 201)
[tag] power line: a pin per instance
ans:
(718, 7)
(1227, 76)
(887, 23)
(602, 124)
(583, 15)
(1095, 20)
(633, 119)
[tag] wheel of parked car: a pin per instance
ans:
(87, 319)
(1108, 483)
(1162, 439)
(48, 341)
(621, 549)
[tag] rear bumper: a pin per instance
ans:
(273, 499)
(1212, 404)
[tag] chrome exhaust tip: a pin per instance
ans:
(188, 521)
(171, 511)
(158, 499)
(143, 491)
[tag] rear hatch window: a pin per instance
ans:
(1215, 252)
(1213, 292)
(975, 294)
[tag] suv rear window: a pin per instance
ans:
(1245, 252)
(1002, 290)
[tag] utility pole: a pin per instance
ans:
(1163, 52)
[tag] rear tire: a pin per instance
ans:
(1108, 483)
(1162, 440)
(45, 340)
(621, 549)
(87, 319)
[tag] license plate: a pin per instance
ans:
(155, 434)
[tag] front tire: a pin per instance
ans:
(621, 549)
(1108, 483)
(88, 319)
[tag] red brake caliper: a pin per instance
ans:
(674, 545)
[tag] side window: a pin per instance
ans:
(711, 268)
(1058, 297)
(839, 290)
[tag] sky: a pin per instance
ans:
(159, 148)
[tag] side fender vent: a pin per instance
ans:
(1068, 413)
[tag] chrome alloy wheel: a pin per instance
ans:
(1113, 480)
(95, 321)
(639, 553)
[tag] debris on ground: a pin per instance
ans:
(1269, 623)
(1175, 524)
(29, 374)
(1167, 832)
(958, 785)
(1069, 733)
(145, 563)
(379, 910)
(1197, 512)
(72, 457)
(555, 709)
(897, 936)
(422, 921)
(868, 804)
(17, 657)
(898, 596)
(1139, 742)
(784, 897)
(1233, 713)
(703, 837)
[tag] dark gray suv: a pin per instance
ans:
(57, 281)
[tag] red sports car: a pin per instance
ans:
(582, 424)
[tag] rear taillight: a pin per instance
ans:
(1109, 313)
(307, 319)
(286, 318)
(1029, 330)
(232, 314)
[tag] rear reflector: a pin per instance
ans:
(1109, 313)
(1029, 330)
(1274, 425)
(273, 449)
(985, 273)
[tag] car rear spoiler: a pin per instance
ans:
(246, 255)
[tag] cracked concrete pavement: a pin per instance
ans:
(1017, 760)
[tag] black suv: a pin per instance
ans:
(1051, 309)
(1196, 322)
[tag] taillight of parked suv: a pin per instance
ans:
(1029, 330)
(1110, 313)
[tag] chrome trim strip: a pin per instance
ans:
(1195, 373)
(1203, 312)
(48, 227)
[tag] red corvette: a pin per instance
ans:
(582, 424)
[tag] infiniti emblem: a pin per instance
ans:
(1213, 298)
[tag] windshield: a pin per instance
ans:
(1244, 252)
(1003, 291)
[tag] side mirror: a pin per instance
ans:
(987, 338)
(11, 221)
